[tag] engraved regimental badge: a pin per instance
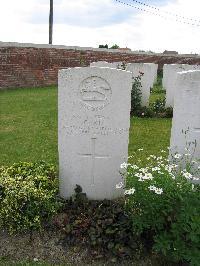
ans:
(95, 93)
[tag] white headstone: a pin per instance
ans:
(93, 129)
(147, 79)
(117, 65)
(169, 77)
(154, 70)
(185, 132)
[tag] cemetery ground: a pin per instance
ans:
(29, 133)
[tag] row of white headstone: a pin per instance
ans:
(170, 72)
(93, 126)
(149, 77)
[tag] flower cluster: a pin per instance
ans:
(163, 197)
(154, 175)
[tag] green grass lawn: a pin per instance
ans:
(154, 96)
(29, 127)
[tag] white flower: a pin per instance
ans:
(140, 149)
(161, 173)
(119, 185)
(177, 156)
(144, 170)
(134, 166)
(169, 167)
(156, 190)
(159, 191)
(187, 175)
(124, 165)
(152, 187)
(155, 169)
(140, 179)
(147, 176)
(152, 156)
(173, 176)
(187, 154)
(35, 259)
(129, 191)
(140, 175)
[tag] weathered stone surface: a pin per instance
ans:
(117, 65)
(185, 132)
(93, 129)
(169, 79)
(147, 79)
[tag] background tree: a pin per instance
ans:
(115, 46)
(103, 46)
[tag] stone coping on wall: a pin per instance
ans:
(48, 46)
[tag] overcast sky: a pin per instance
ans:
(91, 22)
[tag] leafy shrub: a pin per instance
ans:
(158, 106)
(102, 224)
(165, 206)
(136, 94)
(27, 195)
(145, 112)
(169, 112)
(156, 109)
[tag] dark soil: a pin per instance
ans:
(47, 247)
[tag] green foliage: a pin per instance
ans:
(157, 87)
(158, 106)
(103, 46)
(102, 224)
(114, 46)
(28, 194)
(136, 94)
(169, 112)
(165, 207)
(144, 112)
(155, 109)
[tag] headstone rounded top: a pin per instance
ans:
(189, 76)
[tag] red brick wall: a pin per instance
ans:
(35, 66)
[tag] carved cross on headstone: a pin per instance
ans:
(93, 156)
